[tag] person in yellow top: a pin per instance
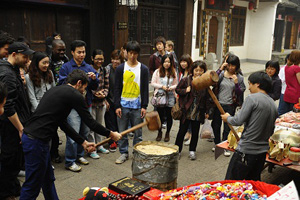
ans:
(131, 96)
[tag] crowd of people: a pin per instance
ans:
(40, 92)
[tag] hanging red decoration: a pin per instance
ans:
(211, 2)
(251, 5)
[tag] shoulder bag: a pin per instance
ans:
(160, 97)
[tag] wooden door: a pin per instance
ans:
(40, 24)
(70, 24)
(294, 31)
(213, 35)
(147, 23)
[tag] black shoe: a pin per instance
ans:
(159, 136)
(57, 159)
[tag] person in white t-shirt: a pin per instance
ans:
(131, 96)
(282, 106)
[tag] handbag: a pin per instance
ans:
(176, 111)
(160, 98)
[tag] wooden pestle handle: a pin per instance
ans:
(124, 132)
(213, 96)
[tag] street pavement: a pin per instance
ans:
(101, 172)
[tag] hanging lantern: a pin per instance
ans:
(251, 5)
(211, 2)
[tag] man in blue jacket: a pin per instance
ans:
(73, 151)
(131, 96)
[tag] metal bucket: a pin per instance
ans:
(159, 171)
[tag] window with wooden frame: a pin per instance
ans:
(238, 26)
(198, 24)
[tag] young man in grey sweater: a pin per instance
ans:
(258, 114)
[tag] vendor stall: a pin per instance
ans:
(284, 143)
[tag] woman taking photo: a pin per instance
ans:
(272, 69)
(195, 106)
(164, 80)
(98, 102)
(229, 91)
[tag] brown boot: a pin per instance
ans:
(159, 136)
(167, 137)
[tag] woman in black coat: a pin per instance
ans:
(272, 69)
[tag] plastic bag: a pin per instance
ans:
(206, 131)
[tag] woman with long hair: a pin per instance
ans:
(39, 78)
(185, 63)
(164, 80)
(229, 91)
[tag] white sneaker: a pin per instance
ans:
(94, 155)
(83, 161)
(21, 173)
(187, 143)
(226, 153)
(102, 150)
(131, 135)
(213, 149)
(192, 155)
(122, 158)
(74, 168)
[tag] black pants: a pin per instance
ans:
(165, 112)
(245, 166)
(217, 123)
(54, 146)
(10, 159)
(183, 127)
(110, 118)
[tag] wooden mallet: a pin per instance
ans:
(152, 120)
(204, 82)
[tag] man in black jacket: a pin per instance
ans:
(16, 112)
(52, 111)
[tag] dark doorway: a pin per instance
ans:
(288, 35)
(278, 34)
(213, 35)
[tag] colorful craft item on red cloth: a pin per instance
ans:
(225, 190)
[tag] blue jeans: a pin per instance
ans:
(217, 123)
(283, 106)
(39, 172)
(74, 150)
(134, 117)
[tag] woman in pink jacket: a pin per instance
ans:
(164, 80)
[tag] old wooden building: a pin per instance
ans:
(104, 24)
